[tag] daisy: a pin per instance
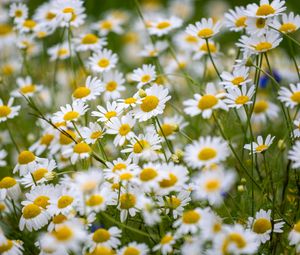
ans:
(89, 91)
(3, 155)
(213, 226)
(204, 48)
(103, 61)
(235, 19)
(205, 104)
(26, 87)
(107, 25)
(79, 151)
(144, 146)
(59, 51)
(153, 103)
(105, 237)
(89, 41)
(237, 78)
(92, 133)
(154, 50)
(18, 11)
(162, 26)
(129, 102)
(7, 111)
(289, 24)
(206, 151)
(204, 29)
(294, 153)
(128, 203)
(257, 26)
(170, 125)
(134, 248)
(261, 145)
(262, 225)
(239, 97)
(27, 162)
(104, 115)
(166, 244)
(290, 96)
(258, 44)
(43, 143)
(212, 185)
(265, 9)
(149, 211)
(122, 128)
(9, 187)
(63, 140)
(70, 113)
(294, 235)
(11, 247)
(26, 25)
(113, 84)
(144, 75)
(186, 42)
(264, 110)
(191, 221)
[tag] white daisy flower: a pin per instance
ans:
(264, 110)
(46, 140)
(105, 237)
(9, 187)
(11, 247)
(262, 225)
(149, 211)
(89, 41)
(289, 23)
(170, 125)
(265, 9)
(79, 151)
(162, 26)
(294, 235)
(134, 248)
(103, 61)
(237, 78)
(261, 145)
(154, 50)
(235, 19)
(107, 25)
(104, 115)
(26, 25)
(239, 97)
(113, 84)
(7, 111)
(59, 51)
(257, 26)
(204, 48)
(27, 162)
(204, 29)
(26, 87)
(89, 91)
(165, 246)
(290, 96)
(128, 202)
(92, 133)
(129, 102)
(18, 11)
(206, 151)
(144, 75)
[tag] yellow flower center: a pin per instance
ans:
(4, 111)
(2, 207)
(5, 29)
(125, 176)
(94, 200)
(207, 102)
(96, 135)
(82, 148)
(130, 100)
(241, 22)
(102, 250)
(288, 27)
(265, 10)
(166, 239)
(42, 201)
(89, 39)
(101, 235)
(191, 39)
(163, 24)
(242, 100)
(127, 201)
(62, 51)
(111, 86)
(106, 24)
(139, 146)
(26, 157)
(18, 13)
(6, 246)
(261, 226)
(145, 78)
(81, 92)
(263, 46)
(191, 217)
(212, 185)
(297, 227)
(131, 251)
(149, 103)
(50, 15)
(260, 23)
(124, 129)
(28, 89)
(171, 181)
(296, 97)
(39, 174)
(205, 33)
(260, 106)
(261, 148)
(167, 129)
(148, 174)
(64, 201)
(212, 47)
(119, 167)
(7, 182)
(237, 80)
(217, 227)
(110, 114)
(7, 69)
(63, 233)
(72, 115)
(103, 63)
(89, 186)
(64, 139)
(207, 154)
(31, 211)
(235, 238)
(72, 11)
(29, 23)
(46, 139)
(173, 202)
(58, 219)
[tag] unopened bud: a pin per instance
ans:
(281, 145)
(243, 180)
(175, 127)
(177, 156)
(142, 93)
(241, 188)
(50, 176)
(249, 62)
(232, 52)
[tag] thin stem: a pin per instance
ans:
(12, 137)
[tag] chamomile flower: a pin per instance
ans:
(213, 226)
(107, 25)
(134, 248)
(26, 87)
(265, 9)
(11, 247)
(144, 75)
(18, 11)
(166, 244)
(236, 98)
(294, 235)
(204, 29)
(153, 103)
(9, 187)
(43, 143)
(212, 185)
(59, 51)
(262, 225)
(261, 145)
(105, 237)
(290, 96)
(89, 91)
(128, 203)
(203, 48)
(149, 211)
(235, 19)
(70, 113)
(289, 24)
(264, 110)
(103, 61)
(104, 115)
(205, 104)
(122, 128)
(129, 102)
(89, 41)
(26, 25)
(162, 26)
(92, 133)
(259, 44)
(237, 78)
(154, 50)
(294, 153)
(8, 111)
(206, 151)
(3, 155)
(79, 151)
(27, 162)
(257, 26)
(170, 125)
(113, 84)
